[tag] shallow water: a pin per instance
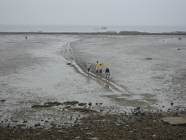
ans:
(35, 71)
(90, 29)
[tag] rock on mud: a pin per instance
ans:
(53, 103)
(82, 104)
(148, 58)
(85, 110)
(137, 108)
(40, 106)
(48, 104)
(2, 100)
(175, 120)
(36, 125)
(21, 125)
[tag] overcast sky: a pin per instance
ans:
(93, 12)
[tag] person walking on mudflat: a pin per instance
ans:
(100, 68)
(107, 73)
(97, 67)
(88, 66)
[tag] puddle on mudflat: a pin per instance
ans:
(133, 97)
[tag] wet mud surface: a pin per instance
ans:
(44, 80)
(142, 67)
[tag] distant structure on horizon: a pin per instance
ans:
(103, 27)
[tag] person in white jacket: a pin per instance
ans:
(88, 66)
(100, 68)
(97, 67)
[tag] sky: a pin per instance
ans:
(93, 12)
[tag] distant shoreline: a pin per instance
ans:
(101, 33)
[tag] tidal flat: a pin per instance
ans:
(44, 80)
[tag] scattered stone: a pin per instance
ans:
(2, 100)
(100, 103)
(85, 110)
(36, 125)
(96, 103)
(109, 126)
(89, 103)
(137, 108)
(148, 58)
(21, 125)
(68, 63)
(25, 121)
(143, 113)
(178, 49)
(180, 38)
(172, 104)
(82, 104)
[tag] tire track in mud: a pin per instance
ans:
(79, 67)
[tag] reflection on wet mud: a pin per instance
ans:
(100, 82)
(88, 80)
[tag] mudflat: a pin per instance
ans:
(44, 83)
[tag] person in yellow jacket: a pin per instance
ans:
(100, 68)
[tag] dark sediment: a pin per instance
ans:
(71, 102)
(48, 104)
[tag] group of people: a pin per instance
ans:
(99, 69)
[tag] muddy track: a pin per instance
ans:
(100, 79)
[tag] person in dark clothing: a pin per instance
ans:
(107, 73)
